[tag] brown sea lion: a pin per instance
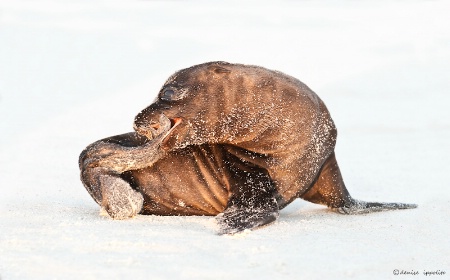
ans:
(232, 140)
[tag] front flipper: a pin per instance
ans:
(253, 198)
(239, 218)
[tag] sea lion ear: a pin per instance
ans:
(219, 69)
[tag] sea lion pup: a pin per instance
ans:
(237, 141)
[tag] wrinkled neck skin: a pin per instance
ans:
(264, 116)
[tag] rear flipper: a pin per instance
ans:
(113, 193)
(362, 207)
(329, 189)
(252, 202)
(99, 163)
(103, 165)
(119, 199)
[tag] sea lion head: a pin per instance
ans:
(200, 102)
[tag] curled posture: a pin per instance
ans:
(240, 142)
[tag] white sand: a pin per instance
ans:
(71, 74)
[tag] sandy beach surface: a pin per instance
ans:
(74, 72)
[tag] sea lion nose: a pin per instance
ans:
(143, 122)
(142, 131)
(142, 127)
(155, 126)
(151, 128)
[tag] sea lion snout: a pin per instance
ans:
(165, 127)
(153, 129)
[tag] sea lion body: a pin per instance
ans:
(190, 181)
(284, 124)
(244, 141)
